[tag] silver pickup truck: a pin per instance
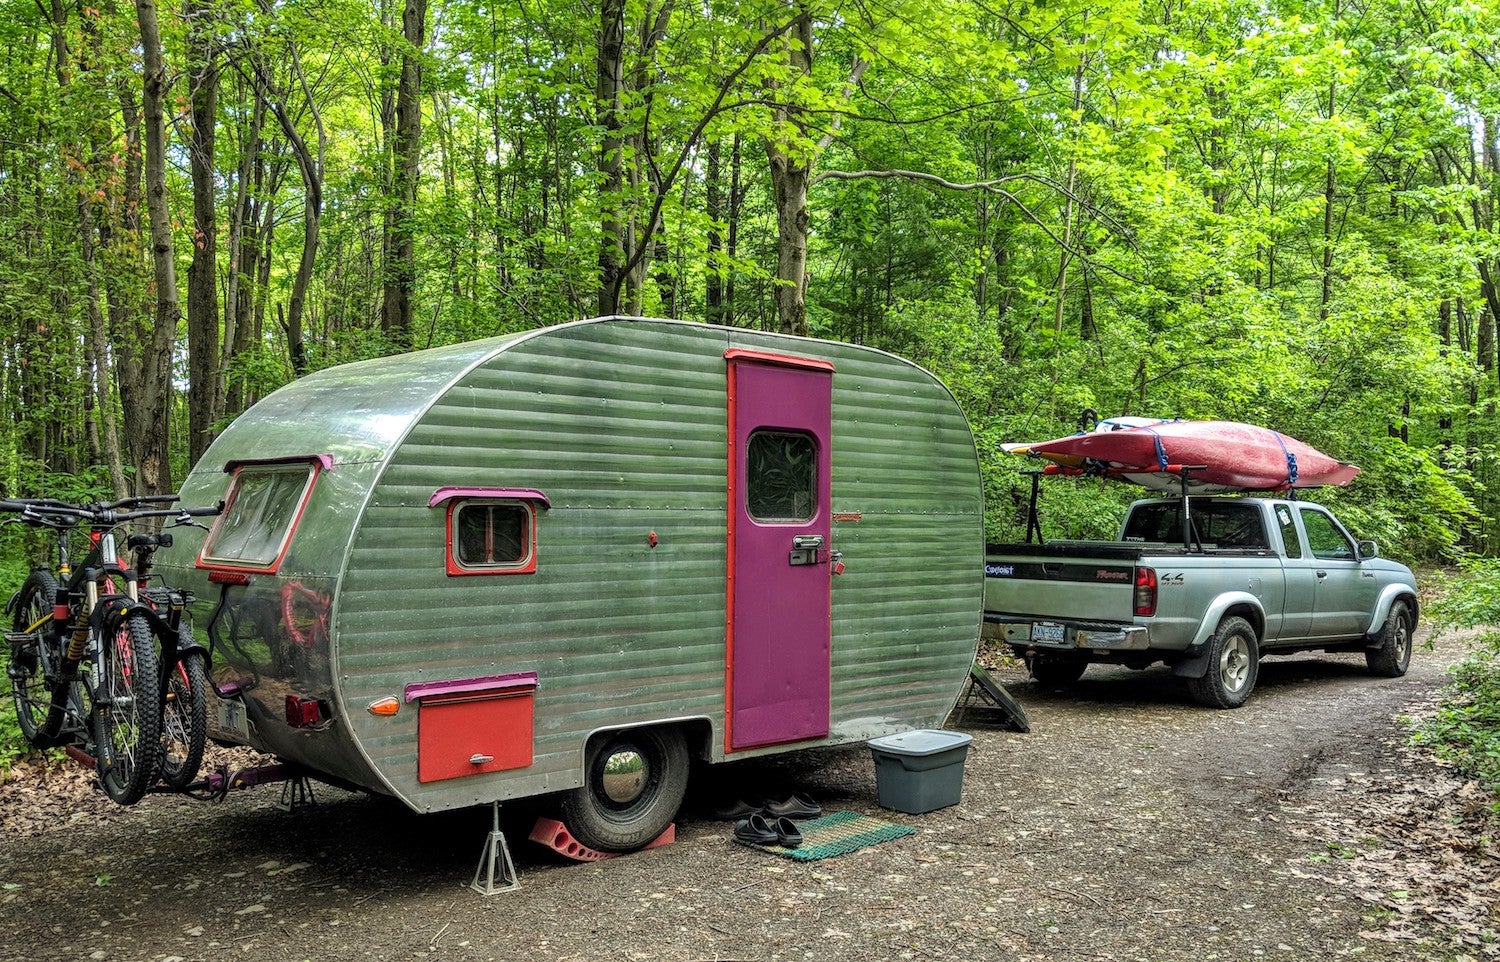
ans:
(1208, 594)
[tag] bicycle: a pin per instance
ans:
(82, 652)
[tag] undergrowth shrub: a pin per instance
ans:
(1466, 728)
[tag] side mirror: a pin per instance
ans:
(1368, 549)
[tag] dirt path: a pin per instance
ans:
(1128, 825)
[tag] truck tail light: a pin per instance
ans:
(1145, 592)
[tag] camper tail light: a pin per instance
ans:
(303, 712)
(1145, 591)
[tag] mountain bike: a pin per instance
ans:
(84, 665)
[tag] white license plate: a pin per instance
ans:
(232, 719)
(1048, 632)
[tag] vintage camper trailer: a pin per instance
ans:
(568, 560)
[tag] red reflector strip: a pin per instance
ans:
(229, 577)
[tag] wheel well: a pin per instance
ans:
(697, 733)
(1251, 614)
(1411, 602)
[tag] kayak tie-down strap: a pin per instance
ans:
(1291, 461)
(1161, 451)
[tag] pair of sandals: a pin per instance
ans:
(759, 830)
(771, 823)
(794, 806)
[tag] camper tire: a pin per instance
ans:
(1233, 666)
(633, 783)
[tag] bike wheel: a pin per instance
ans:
(127, 711)
(40, 720)
(184, 721)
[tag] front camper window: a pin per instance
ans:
(491, 537)
(262, 509)
(782, 480)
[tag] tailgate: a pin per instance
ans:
(1077, 590)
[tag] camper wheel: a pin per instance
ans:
(633, 784)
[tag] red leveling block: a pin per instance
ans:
(555, 835)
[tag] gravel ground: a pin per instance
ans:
(1129, 824)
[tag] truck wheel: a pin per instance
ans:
(1233, 664)
(1057, 671)
(633, 784)
(1392, 652)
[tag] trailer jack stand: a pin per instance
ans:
(296, 792)
(495, 861)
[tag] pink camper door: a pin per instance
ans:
(779, 592)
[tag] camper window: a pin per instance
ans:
(491, 537)
(262, 509)
(782, 477)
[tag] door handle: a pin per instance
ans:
(805, 548)
(1322, 574)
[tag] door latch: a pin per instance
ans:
(805, 548)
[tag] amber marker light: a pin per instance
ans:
(385, 706)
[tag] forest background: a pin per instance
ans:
(1277, 212)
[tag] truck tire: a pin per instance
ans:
(633, 783)
(1233, 665)
(1057, 671)
(1392, 652)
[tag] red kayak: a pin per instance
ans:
(1236, 457)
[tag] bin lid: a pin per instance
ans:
(923, 741)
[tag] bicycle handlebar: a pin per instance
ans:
(50, 513)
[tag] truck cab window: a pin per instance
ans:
(1220, 523)
(1325, 538)
(1289, 535)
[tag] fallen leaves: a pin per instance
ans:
(1419, 847)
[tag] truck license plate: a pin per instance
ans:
(1047, 632)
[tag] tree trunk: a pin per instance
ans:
(791, 173)
(1330, 195)
(789, 179)
(732, 242)
(240, 284)
(791, 163)
(401, 268)
(149, 434)
(311, 168)
(609, 94)
(713, 295)
(204, 396)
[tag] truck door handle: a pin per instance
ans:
(1322, 574)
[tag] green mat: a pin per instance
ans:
(837, 833)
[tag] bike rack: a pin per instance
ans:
(296, 786)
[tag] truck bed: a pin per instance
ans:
(1111, 550)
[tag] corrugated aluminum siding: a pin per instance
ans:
(622, 425)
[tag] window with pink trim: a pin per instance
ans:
(491, 537)
(264, 504)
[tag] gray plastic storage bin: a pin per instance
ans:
(920, 771)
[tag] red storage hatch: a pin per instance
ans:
(473, 725)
